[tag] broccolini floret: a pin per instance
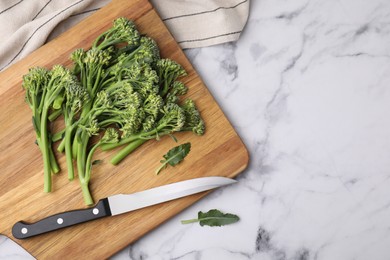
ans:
(193, 121)
(168, 71)
(123, 30)
(147, 52)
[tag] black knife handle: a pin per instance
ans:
(23, 230)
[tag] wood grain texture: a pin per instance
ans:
(219, 152)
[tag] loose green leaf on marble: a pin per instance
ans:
(213, 218)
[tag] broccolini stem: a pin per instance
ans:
(95, 43)
(127, 150)
(107, 122)
(95, 87)
(53, 116)
(55, 168)
(81, 169)
(89, 161)
(110, 146)
(84, 115)
(83, 75)
(58, 136)
(102, 44)
(44, 145)
(86, 109)
(86, 193)
(74, 147)
(53, 161)
(68, 152)
(81, 158)
(89, 85)
(40, 107)
(143, 135)
(61, 146)
(99, 41)
(106, 82)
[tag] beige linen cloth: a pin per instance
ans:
(25, 25)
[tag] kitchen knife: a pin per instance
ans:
(118, 204)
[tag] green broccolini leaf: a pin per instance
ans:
(175, 156)
(213, 218)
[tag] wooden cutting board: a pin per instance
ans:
(219, 152)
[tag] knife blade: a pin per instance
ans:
(119, 204)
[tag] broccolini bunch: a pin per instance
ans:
(44, 93)
(119, 89)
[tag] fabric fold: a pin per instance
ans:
(28, 24)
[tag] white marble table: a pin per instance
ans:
(307, 87)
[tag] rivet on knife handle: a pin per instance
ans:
(22, 229)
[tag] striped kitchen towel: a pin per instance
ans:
(25, 25)
(200, 23)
